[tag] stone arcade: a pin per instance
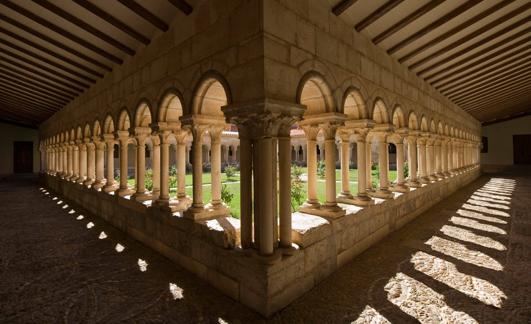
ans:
(269, 82)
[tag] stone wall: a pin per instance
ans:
(210, 248)
(305, 36)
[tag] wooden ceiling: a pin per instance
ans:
(51, 51)
(476, 53)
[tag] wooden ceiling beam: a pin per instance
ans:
(484, 74)
(21, 83)
(507, 118)
(455, 30)
(9, 110)
(342, 6)
(83, 25)
(28, 14)
(55, 43)
(113, 21)
(502, 90)
(28, 104)
(44, 75)
(17, 76)
(186, 8)
(46, 60)
(499, 56)
(499, 90)
(431, 27)
(469, 37)
(19, 123)
(36, 79)
(50, 52)
(490, 106)
(145, 14)
(407, 20)
(377, 14)
(18, 91)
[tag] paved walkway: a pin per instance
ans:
(466, 259)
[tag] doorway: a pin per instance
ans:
(522, 149)
(23, 157)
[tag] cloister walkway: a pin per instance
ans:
(461, 260)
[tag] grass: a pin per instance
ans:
(234, 187)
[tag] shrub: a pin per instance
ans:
(226, 195)
(297, 187)
(230, 172)
(406, 170)
(148, 179)
(173, 171)
(321, 169)
(375, 175)
(173, 182)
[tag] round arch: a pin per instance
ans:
(354, 105)
(313, 92)
(398, 117)
(170, 107)
(211, 93)
(380, 114)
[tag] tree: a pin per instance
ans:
(226, 195)
(230, 172)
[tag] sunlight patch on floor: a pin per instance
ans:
(486, 210)
(176, 291)
(488, 195)
(492, 200)
(90, 225)
(102, 236)
(142, 265)
(469, 236)
(80, 217)
(371, 315)
(487, 204)
(462, 253)
(476, 215)
(71, 211)
(119, 248)
(421, 302)
(470, 223)
(447, 273)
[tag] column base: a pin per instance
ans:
(311, 204)
(424, 180)
(432, 177)
(206, 212)
(110, 187)
(382, 194)
(399, 187)
(345, 195)
(358, 200)
(98, 185)
(88, 182)
(414, 184)
(122, 192)
(323, 211)
(141, 196)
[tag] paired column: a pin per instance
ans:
(215, 144)
(330, 168)
(91, 163)
(400, 179)
(197, 177)
(164, 196)
(362, 198)
(311, 142)
(181, 158)
(155, 167)
(421, 145)
(109, 142)
(123, 138)
(82, 163)
(140, 194)
(345, 166)
(100, 162)
(412, 161)
(383, 166)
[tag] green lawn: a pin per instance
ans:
(234, 186)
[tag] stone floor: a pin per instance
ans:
(467, 259)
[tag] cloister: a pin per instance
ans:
(292, 98)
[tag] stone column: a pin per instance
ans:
(383, 165)
(284, 198)
(155, 165)
(215, 140)
(188, 149)
(345, 167)
(91, 163)
(430, 154)
(265, 167)
(140, 194)
(123, 137)
(99, 145)
(421, 144)
(197, 148)
(75, 162)
(368, 160)
(330, 169)
(412, 161)
(296, 149)
(362, 198)
(246, 207)
(163, 199)
(82, 163)
(69, 157)
(311, 142)
(109, 142)
(321, 152)
(181, 160)
(400, 179)
(64, 161)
